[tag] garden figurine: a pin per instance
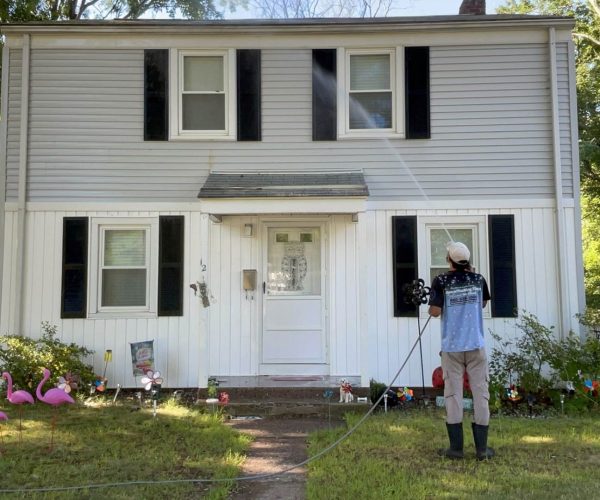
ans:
(459, 296)
(346, 395)
(53, 397)
(18, 398)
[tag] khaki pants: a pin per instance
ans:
(454, 365)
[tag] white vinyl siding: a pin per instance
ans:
(490, 122)
(388, 339)
(177, 340)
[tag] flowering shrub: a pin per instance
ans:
(25, 357)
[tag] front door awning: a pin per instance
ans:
(267, 193)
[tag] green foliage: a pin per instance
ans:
(57, 10)
(524, 359)
(536, 360)
(591, 250)
(25, 357)
(376, 390)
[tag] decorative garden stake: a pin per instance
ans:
(328, 394)
(117, 393)
(18, 398)
(385, 398)
(153, 383)
(67, 383)
(562, 404)
(211, 390)
(54, 397)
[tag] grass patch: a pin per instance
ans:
(394, 456)
(105, 444)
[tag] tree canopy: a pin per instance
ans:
(58, 10)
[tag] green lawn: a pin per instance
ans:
(394, 456)
(115, 443)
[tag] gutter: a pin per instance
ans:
(563, 309)
(262, 27)
(22, 188)
(576, 183)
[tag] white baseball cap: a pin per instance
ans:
(458, 252)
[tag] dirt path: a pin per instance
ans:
(278, 444)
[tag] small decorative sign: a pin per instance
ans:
(142, 357)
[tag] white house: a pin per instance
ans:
(295, 174)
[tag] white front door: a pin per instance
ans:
(293, 299)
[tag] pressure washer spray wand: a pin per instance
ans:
(416, 293)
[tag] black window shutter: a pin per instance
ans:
(170, 266)
(503, 286)
(405, 261)
(324, 94)
(248, 95)
(416, 68)
(73, 302)
(156, 95)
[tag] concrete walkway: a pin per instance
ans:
(278, 444)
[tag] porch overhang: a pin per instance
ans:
(276, 193)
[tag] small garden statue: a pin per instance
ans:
(346, 395)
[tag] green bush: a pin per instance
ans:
(525, 360)
(376, 389)
(24, 359)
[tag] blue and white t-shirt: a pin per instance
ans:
(460, 294)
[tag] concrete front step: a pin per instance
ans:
(287, 408)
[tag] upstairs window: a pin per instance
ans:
(371, 91)
(204, 103)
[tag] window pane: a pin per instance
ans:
(123, 287)
(371, 110)
(370, 72)
(439, 240)
(125, 247)
(203, 74)
(203, 112)
(294, 265)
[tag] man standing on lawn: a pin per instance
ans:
(459, 296)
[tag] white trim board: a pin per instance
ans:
(364, 205)
(417, 35)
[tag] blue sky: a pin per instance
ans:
(403, 8)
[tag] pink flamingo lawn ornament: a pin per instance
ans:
(54, 397)
(18, 398)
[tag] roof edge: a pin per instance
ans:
(287, 25)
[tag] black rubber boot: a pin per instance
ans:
(480, 436)
(455, 433)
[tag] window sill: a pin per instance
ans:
(211, 138)
(122, 315)
(372, 136)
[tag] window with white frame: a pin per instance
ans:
(372, 92)
(436, 232)
(124, 254)
(204, 97)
